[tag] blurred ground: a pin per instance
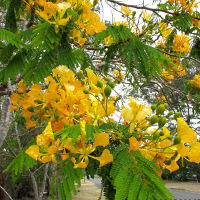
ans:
(91, 190)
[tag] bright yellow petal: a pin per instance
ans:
(21, 87)
(91, 76)
(173, 166)
(127, 114)
(80, 164)
(194, 154)
(105, 158)
(33, 152)
(52, 149)
(185, 132)
(101, 139)
(68, 145)
(164, 141)
(182, 149)
(14, 98)
(48, 132)
(45, 159)
(133, 144)
(43, 140)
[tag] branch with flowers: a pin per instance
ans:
(80, 129)
(71, 64)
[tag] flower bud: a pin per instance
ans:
(38, 101)
(86, 91)
(166, 105)
(162, 122)
(176, 115)
(56, 115)
(107, 91)
(154, 106)
(170, 137)
(111, 84)
(80, 74)
(99, 84)
(170, 113)
(30, 109)
(177, 140)
(154, 119)
(162, 133)
(156, 135)
(160, 109)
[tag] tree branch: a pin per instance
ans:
(145, 8)
(6, 192)
(189, 58)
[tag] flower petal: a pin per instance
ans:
(33, 152)
(105, 158)
(101, 139)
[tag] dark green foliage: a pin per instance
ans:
(65, 179)
(133, 52)
(135, 178)
(118, 33)
(21, 162)
(108, 188)
(44, 37)
(195, 51)
(71, 132)
(35, 52)
(183, 22)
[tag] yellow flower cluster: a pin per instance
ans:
(162, 98)
(163, 146)
(87, 23)
(185, 5)
(50, 150)
(63, 101)
(196, 81)
(67, 101)
(167, 76)
(118, 23)
(164, 30)
(119, 76)
(196, 22)
(181, 43)
(125, 10)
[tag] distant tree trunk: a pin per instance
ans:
(5, 119)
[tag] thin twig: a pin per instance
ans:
(145, 8)
(6, 192)
(189, 58)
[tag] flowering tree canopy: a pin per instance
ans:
(67, 65)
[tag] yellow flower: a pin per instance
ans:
(164, 30)
(118, 23)
(194, 154)
(118, 75)
(33, 152)
(146, 16)
(48, 144)
(173, 166)
(136, 114)
(162, 98)
(187, 134)
(21, 87)
(133, 144)
(181, 43)
(125, 10)
(195, 81)
(108, 40)
(167, 76)
(84, 149)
